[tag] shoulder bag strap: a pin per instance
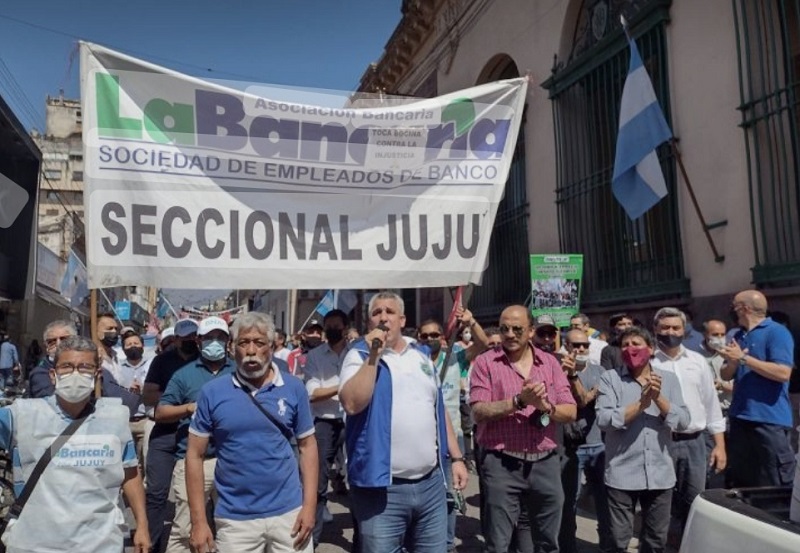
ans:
(30, 484)
(285, 431)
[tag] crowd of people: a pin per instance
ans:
(231, 416)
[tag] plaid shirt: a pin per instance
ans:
(494, 378)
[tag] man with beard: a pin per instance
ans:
(322, 384)
(160, 458)
(431, 334)
(178, 404)
(264, 504)
(760, 360)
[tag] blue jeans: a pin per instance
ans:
(419, 507)
(6, 378)
(591, 462)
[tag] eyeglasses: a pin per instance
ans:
(516, 329)
(244, 343)
(55, 340)
(545, 333)
(433, 335)
(66, 369)
(576, 345)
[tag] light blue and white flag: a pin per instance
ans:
(326, 304)
(638, 182)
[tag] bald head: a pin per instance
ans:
(516, 311)
(753, 299)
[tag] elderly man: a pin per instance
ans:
(264, 504)
(759, 360)
(398, 435)
(688, 447)
(518, 392)
(178, 404)
(39, 382)
(74, 504)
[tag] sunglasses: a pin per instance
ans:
(516, 329)
(584, 345)
(546, 332)
(433, 335)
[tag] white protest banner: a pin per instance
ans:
(191, 184)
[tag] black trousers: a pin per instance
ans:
(656, 506)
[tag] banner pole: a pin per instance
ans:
(465, 295)
(98, 381)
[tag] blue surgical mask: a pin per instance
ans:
(213, 350)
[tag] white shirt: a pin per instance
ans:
(322, 371)
(697, 387)
(283, 354)
(414, 393)
(595, 349)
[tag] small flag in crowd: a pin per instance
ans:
(451, 319)
(638, 182)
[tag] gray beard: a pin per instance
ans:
(253, 374)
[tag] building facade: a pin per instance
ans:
(725, 73)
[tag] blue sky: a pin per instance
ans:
(303, 43)
(306, 43)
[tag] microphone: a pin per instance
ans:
(376, 343)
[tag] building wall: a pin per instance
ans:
(704, 96)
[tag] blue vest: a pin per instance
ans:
(368, 434)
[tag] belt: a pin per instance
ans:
(684, 436)
(530, 457)
(137, 418)
(396, 480)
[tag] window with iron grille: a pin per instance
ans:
(624, 260)
(506, 280)
(768, 42)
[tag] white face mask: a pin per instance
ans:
(75, 387)
(466, 335)
(581, 359)
(716, 343)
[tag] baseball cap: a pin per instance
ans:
(212, 323)
(313, 323)
(545, 320)
(167, 333)
(185, 327)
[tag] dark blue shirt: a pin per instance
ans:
(757, 398)
(39, 383)
(184, 387)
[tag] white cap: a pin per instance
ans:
(185, 327)
(212, 323)
(167, 333)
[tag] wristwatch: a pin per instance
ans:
(519, 405)
(743, 361)
(572, 376)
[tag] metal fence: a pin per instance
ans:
(624, 260)
(506, 279)
(768, 44)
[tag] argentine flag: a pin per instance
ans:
(638, 182)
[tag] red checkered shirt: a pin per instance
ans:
(494, 378)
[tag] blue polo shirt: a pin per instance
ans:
(257, 473)
(756, 398)
(184, 387)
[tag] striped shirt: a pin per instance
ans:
(494, 378)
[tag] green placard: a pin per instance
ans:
(556, 286)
